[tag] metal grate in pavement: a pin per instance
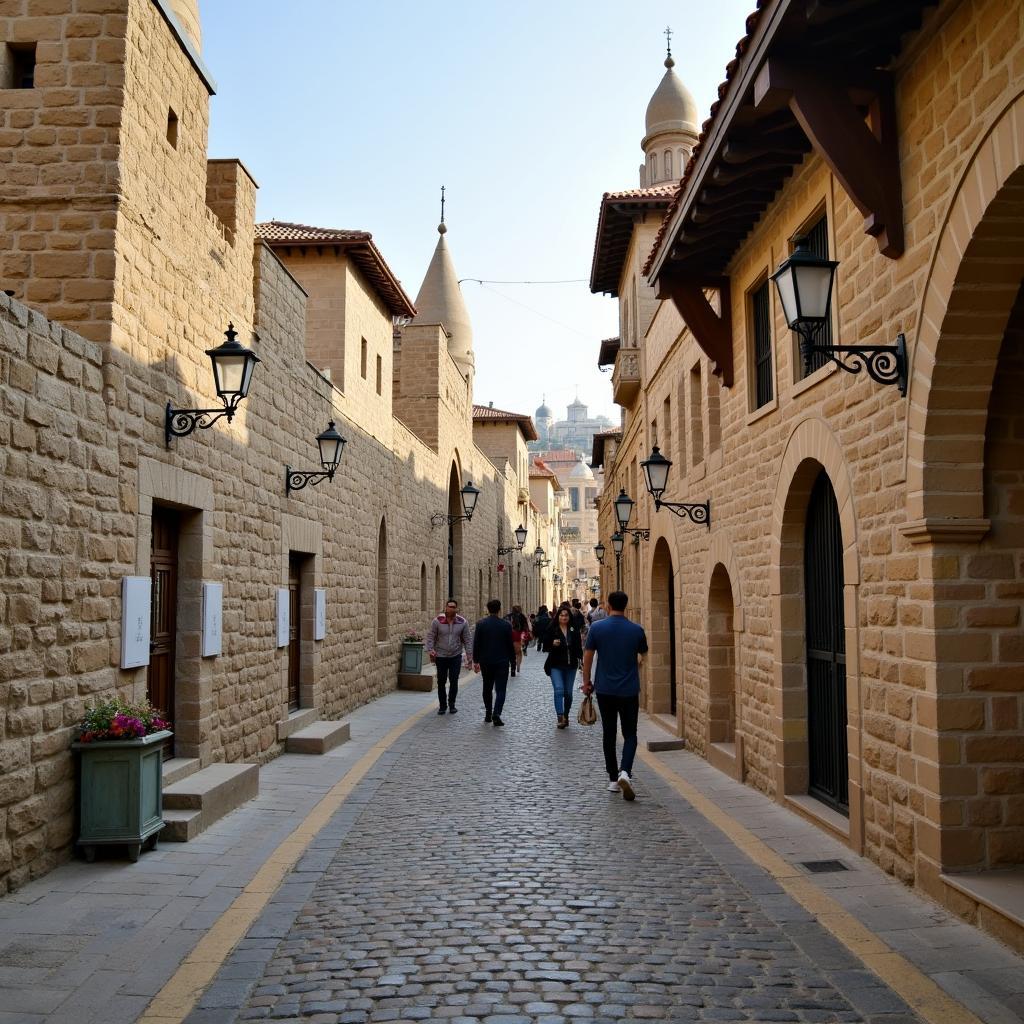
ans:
(821, 867)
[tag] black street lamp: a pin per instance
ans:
(599, 550)
(520, 535)
(656, 468)
(470, 496)
(331, 445)
(618, 541)
(538, 557)
(804, 283)
(623, 505)
(233, 364)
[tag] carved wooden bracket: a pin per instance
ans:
(864, 159)
(712, 332)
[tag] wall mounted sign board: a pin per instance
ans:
(136, 595)
(282, 616)
(319, 613)
(213, 619)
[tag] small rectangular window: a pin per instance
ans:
(380, 374)
(817, 241)
(362, 358)
(18, 66)
(172, 128)
(696, 415)
(666, 430)
(761, 322)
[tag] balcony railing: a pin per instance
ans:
(626, 377)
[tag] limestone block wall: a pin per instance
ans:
(933, 665)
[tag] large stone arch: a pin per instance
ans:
(811, 448)
(975, 273)
(663, 573)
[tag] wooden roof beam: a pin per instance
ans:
(711, 331)
(864, 159)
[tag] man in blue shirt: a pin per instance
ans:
(620, 646)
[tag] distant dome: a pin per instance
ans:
(581, 471)
(672, 107)
(543, 412)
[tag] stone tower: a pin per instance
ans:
(440, 302)
(671, 130)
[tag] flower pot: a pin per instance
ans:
(121, 793)
(412, 657)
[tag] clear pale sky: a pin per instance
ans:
(352, 115)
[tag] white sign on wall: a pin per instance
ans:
(319, 614)
(213, 625)
(136, 595)
(282, 616)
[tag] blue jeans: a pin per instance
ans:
(562, 681)
(448, 672)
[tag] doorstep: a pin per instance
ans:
(192, 805)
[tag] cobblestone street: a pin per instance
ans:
(487, 874)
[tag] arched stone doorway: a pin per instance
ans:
(663, 692)
(455, 534)
(723, 745)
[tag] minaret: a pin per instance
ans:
(672, 127)
(440, 302)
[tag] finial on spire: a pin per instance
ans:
(441, 229)
(669, 62)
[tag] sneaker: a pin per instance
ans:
(487, 716)
(497, 720)
(613, 786)
(453, 711)
(442, 711)
(625, 783)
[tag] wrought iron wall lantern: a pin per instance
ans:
(599, 550)
(623, 505)
(538, 557)
(557, 578)
(233, 364)
(618, 542)
(804, 283)
(331, 445)
(470, 495)
(520, 535)
(656, 468)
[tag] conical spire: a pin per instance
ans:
(440, 302)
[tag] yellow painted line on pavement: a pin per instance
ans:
(913, 986)
(173, 1003)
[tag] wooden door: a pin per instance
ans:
(294, 629)
(163, 610)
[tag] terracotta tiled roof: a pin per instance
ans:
(597, 458)
(607, 352)
(357, 244)
(615, 229)
(488, 413)
(538, 470)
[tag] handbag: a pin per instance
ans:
(588, 713)
(547, 665)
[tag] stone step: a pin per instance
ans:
(416, 681)
(318, 738)
(296, 720)
(177, 768)
(205, 797)
(657, 745)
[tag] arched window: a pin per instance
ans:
(438, 599)
(423, 586)
(668, 163)
(382, 583)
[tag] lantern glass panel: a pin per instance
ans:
(656, 468)
(623, 508)
(331, 444)
(470, 494)
(520, 533)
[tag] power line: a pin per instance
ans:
(536, 312)
(482, 281)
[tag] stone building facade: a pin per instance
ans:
(847, 635)
(128, 253)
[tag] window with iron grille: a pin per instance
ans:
(817, 241)
(761, 317)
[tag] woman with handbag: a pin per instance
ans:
(565, 654)
(520, 635)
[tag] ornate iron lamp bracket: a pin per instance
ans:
(446, 519)
(181, 422)
(696, 512)
(885, 364)
(296, 479)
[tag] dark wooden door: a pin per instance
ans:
(294, 629)
(826, 649)
(671, 644)
(163, 610)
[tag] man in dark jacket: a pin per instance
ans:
(493, 653)
(541, 624)
(578, 618)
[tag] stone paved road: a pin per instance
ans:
(483, 874)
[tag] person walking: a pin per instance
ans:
(540, 625)
(448, 641)
(620, 646)
(578, 618)
(493, 653)
(520, 635)
(597, 612)
(565, 652)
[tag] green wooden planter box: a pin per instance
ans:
(412, 658)
(121, 793)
